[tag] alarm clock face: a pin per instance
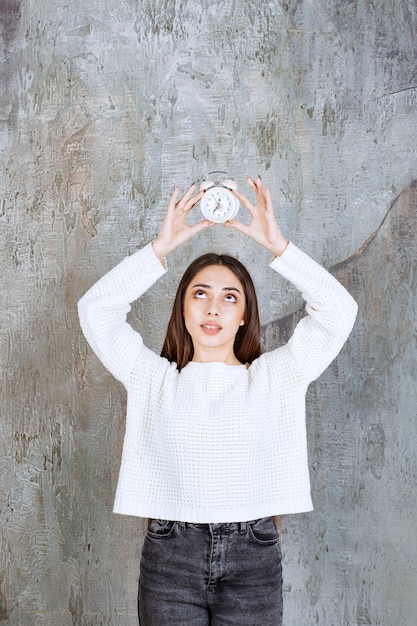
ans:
(219, 205)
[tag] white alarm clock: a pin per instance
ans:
(218, 203)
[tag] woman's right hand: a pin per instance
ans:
(175, 230)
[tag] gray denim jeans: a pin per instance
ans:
(211, 574)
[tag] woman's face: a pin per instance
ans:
(214, 309)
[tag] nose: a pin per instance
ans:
(213, 307)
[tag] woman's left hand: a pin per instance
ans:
(264, 228)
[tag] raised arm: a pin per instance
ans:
(103, 309)
(320, 335)
(331, 310)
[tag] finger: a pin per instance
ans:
(196, 228)
(193, 201)
(260, 190)
(173, 198)
(255, 183)
(269, 205)
(183, 201)
(185, 204)
(251, 182)
(186, 208)
(243, 228)
(244, 200)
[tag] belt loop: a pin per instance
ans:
(242, 527)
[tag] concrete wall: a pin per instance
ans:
(104, 106)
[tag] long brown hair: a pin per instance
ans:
(178, 345)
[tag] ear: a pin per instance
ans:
(242, 323)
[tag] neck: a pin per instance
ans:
(215, 356)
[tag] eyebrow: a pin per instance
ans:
(203, 286)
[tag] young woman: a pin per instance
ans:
(215, 441)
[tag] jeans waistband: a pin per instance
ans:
(241, 526)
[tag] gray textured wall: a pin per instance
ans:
(104, 106)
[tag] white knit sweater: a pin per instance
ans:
(215, 442)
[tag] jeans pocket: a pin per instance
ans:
(160, 528)
(263, 532)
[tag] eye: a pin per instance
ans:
(230, 298)
(199, 294)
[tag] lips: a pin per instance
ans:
(211, 329)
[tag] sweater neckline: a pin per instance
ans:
(216, 364)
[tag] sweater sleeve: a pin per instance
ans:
(320, 335)
(103, 310)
